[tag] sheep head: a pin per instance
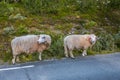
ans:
(92, 38)
(44, 39)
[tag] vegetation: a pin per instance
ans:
(59, 18)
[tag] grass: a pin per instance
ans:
(58, 20)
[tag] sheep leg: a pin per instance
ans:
(84, 53)
(13, 60)
(71, 54)
(40, 58)
(66, 51)
(17, 59)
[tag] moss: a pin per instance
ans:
(90, 24)
(64, 27)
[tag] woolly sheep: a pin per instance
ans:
(72, 42)
(29, 44)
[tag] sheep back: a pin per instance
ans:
(27, 44)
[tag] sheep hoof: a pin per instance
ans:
(40, 59)
(72, 57)
(83, 54)
(13, 62)
(66, 56)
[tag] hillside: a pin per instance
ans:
(59, 18)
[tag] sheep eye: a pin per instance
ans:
(43, 37)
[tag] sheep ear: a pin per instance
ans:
(38, 36)
(88, 38)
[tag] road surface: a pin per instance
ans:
(98, 67)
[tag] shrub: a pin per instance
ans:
(114, 4)
(106, 42)
(56, 48)
(47, 6)
(90, 24)
(117, 39)
(8, 30)
(4, 11)
(22, 30)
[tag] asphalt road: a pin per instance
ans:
(98, 67)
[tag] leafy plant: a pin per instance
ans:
(106, 42)
(22, 30)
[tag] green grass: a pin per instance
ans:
(57, 18)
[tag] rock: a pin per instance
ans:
(17, 16)
(8, 30)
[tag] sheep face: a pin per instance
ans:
(93, 38)
(44, 38)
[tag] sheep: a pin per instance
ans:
(72, 42)
(30, 44)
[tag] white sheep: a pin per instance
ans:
(29, 44)
(72, 42)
